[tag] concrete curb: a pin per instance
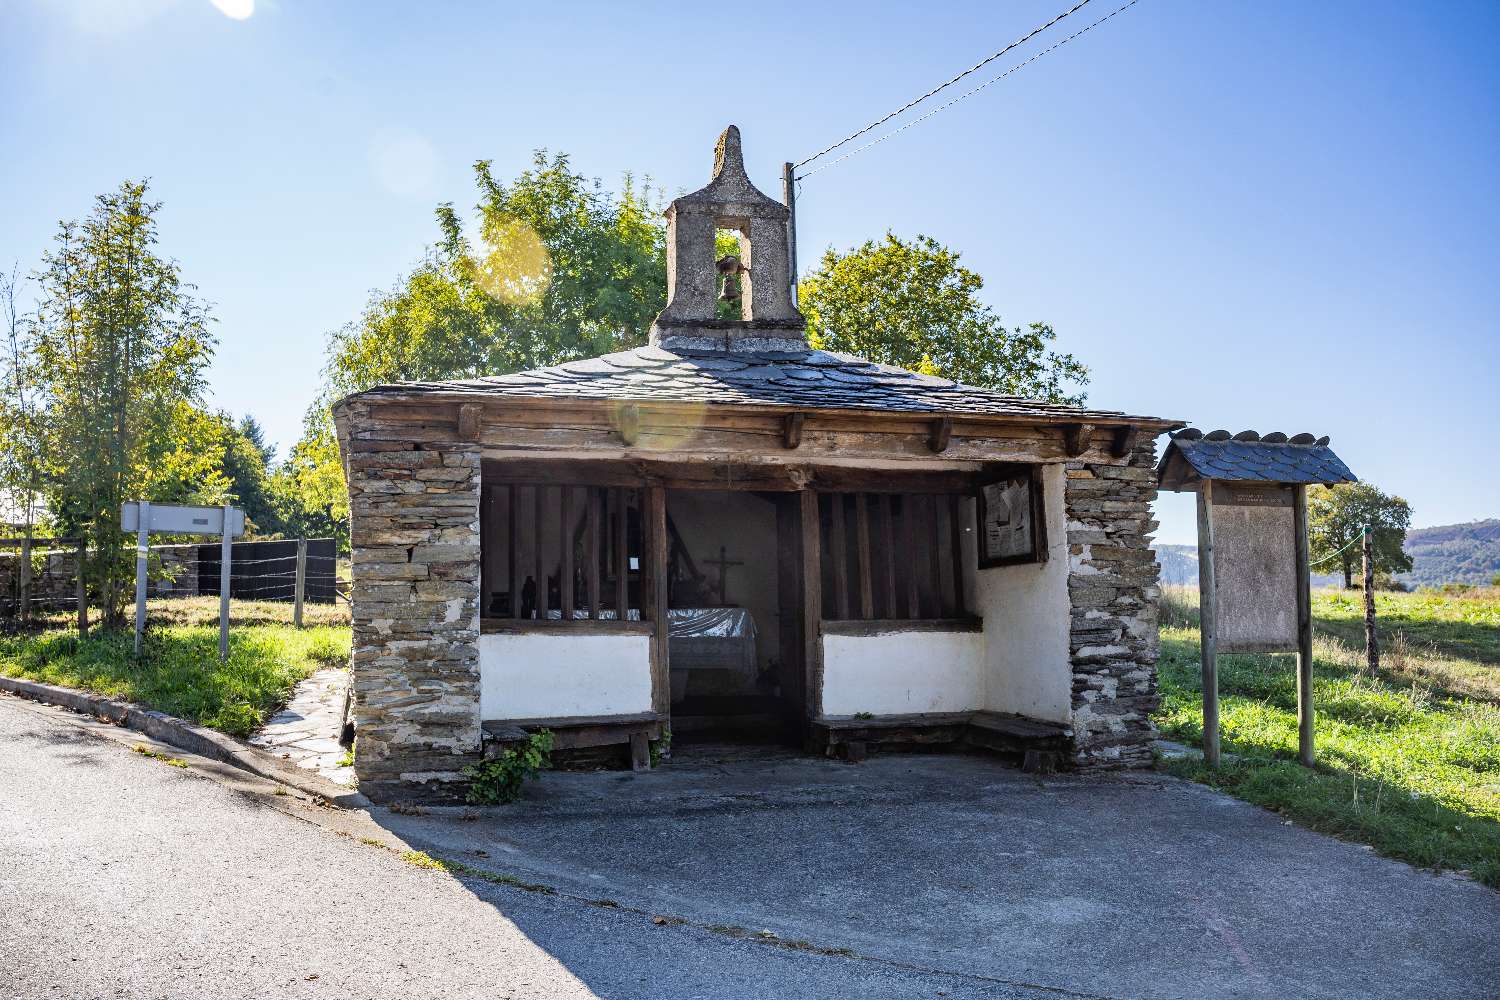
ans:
(186, 736)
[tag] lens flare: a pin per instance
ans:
(511, 263)
(238, 10)
(658, 428)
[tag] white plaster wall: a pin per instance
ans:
(546, 676)
(899, 673)
(1027, 614)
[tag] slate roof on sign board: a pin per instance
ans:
(1248, 457)
(799, 378)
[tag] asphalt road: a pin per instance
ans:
(124, 876)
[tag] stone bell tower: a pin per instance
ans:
(768, 320)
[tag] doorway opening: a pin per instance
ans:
(734, 613)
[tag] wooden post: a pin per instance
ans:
(655, 591)
(513, 544)
(838, 552)
(142, 549)
(565, 571)
(622, 555)
(226, 550)
(25, 573)
(593, 550)
(812, 603)
(1304, 629)
(862, 530)
(299, 586)
(1208, 634)
(1372, 646)
(539, 570)
(83, 591)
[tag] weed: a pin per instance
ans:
(371, 842)
(146, 751)
(501, 779)
(421, 859)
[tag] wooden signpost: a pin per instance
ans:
(145, 517)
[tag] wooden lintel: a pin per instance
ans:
(468, 421)
(709, 475)
(1122, 440)
(791, 430)
(940, 434)
(630, 423)
(1076, 438)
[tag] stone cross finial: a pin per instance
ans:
(768, 319)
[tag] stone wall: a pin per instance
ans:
(415, 600)
(54, 578)
(1112, 585)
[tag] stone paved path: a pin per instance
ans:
(306, 732)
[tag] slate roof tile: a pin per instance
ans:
(1256, 461)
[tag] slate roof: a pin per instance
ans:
(1247, 457)
(801, 378)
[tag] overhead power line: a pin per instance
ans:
(939, 89)
(964, 96)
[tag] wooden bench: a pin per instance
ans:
(577, 732)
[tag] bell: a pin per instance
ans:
(729, 267)
(730, 293)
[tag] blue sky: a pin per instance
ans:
(1271, 215)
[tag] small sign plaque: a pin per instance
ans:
(1011, 519)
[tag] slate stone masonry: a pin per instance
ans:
(1112, 587)
(415, 538)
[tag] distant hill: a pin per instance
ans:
(1450, 553)
(1454, 553)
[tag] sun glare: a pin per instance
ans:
(511, 262)
(239, 10)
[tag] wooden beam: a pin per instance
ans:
(812, 604)
(956, 533)
(930, 509)
(862, 544)
(1304, 629)
(593, 550)
(1122, 440)
(630, 423)
(540, 584)
(487, 541)
(514, 541)
(791, 430)
(909, 555)
(654, 587)
(565, 569)
(711, 472)
(888, 556)
(1208, 624)
(469, 418)
(1076, 438)
(940, 434)
(622, 553)
(838, 554)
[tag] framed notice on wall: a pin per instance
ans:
(1012, 527)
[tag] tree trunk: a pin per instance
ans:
(1348, 575)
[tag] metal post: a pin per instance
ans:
(1304, 629)
(301, 585)
(226, 547)
(789, 195)
(83, 591)
(1372, 647)
(25, 571)
(1207, 623)
(142, 550)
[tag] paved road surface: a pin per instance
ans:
(123, 876)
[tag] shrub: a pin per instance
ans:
(500, 779)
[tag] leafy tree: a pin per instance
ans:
(247, 467)
(120, 356)
(308, 489)
(1338, 514)
(558, 270)
(910, 303)
(21, 447)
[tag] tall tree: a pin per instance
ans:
(1336, 516)
(121, 351)
(248, 466)
(21, 449)
(910, 303)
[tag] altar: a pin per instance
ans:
(713, 651)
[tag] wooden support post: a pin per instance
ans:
(838, 552)
(655, 591)
(939, 434)
(791, 430)
(565, 539)
(812, 603)
(622, 555)
(1208, 635)
(935, 553)
(640, 751)
(142, 550)
(539, 566)
(1122, 441)
(862, 542)
(513, 541)
(83, 590)
(1076, 438)
(299, 586)
(888, 532)
(909, 554)
(593, 550)
(1372, 645)
(226, 554)
(955, 528)
(25, 575)
(1304, 629)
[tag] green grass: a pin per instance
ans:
(1408, 758)
(179, 670)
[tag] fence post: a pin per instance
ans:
(301, 586)
(83, 591)
(226, 552)
(142, 550)
(1372, 649)
(25, 572)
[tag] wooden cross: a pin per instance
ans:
(723, 562)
